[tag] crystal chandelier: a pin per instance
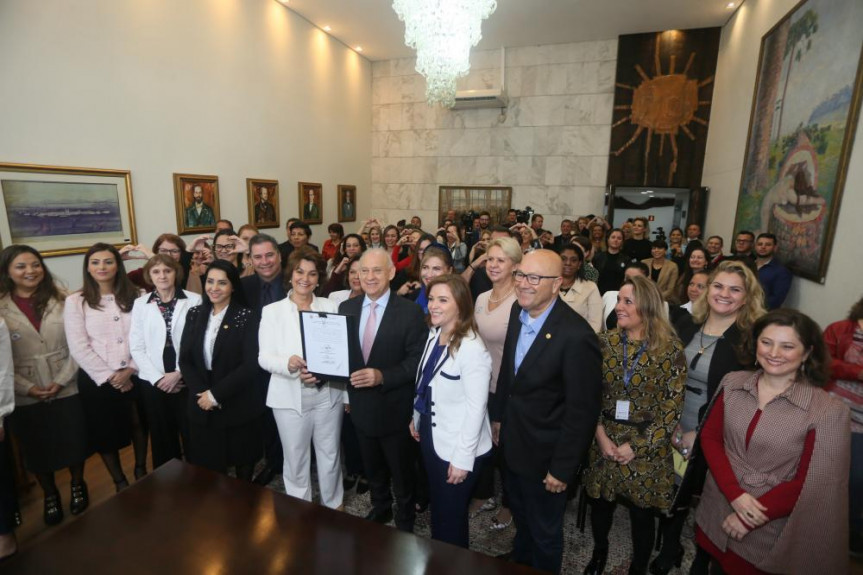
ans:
(443, 32)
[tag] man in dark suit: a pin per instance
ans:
(389, 333)
(545, 410)
(266, 286)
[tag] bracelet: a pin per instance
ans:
(473, 269)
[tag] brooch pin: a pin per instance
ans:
(548, 336)
(225, 326)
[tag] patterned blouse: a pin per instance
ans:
(655, 394)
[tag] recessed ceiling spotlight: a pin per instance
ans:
(327, 29)
(283, 1)
(358, 48)
(730, 5)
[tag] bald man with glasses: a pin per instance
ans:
(546, 407)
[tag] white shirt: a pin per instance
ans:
(379, 311)
(213, 325)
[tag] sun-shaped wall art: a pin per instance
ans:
(651, 110)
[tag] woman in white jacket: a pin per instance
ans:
(158, 319)
(450, 411)
(306, 410)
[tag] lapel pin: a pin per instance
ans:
(548, 336)
(225, 326)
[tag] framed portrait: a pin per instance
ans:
(311, 202)
(196, 198)
(263, 196)
(347, 203)
(804, 114)
(62, 210)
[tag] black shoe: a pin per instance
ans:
(350, 481)
(597, 562)
(80, 498)
(121, 485)
(660, 566)
(53, 510)
(362, 485)
(266, 476)
(140, 472)
(380, 515)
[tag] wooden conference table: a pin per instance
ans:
(185, 519)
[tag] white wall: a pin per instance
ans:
(726, 146)
(551, 146)
(235, 88)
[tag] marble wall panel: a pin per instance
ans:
(521, 170)
(513, 141)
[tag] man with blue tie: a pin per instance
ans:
(546, 406)
(388, 336)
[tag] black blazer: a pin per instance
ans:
(252, 290)
(549, 409)
(235, 366)
(402, 331)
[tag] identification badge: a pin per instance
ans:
(621, 412)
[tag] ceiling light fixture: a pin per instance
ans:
(443, 32)
(358, 48)
(327, 29)
(730, 5)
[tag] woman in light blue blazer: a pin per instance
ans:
(450, 409)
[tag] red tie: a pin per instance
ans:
(369, 332)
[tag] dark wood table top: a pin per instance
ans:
(185, 519)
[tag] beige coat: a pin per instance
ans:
(41, 357)
(814, 538)
(584, 298)
(667, 281)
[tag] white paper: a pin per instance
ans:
(326, 343)
(621, 413)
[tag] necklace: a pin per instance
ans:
(702, 347)
(500, 299)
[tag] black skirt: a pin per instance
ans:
(218, 448)
(108, 412)
(53, 434)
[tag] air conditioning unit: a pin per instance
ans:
(472, 99)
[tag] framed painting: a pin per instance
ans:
(804, 115)
(263, 196)
(196, 199)
(347, 203)
(311, 202)
(468, 201)
(62, 210)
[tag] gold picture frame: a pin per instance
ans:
(61, 210)
(195, 216)
(263, 200)
(347, 203)
(311, 199)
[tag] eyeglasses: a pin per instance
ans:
(225, 247)
(167, 252)
(532, 279)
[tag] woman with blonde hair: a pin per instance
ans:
(491, 311)
(714, 337)
(643, 380)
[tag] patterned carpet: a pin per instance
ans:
(577, 545)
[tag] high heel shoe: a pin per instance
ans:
(660, 567)
(597, 562)
(80, 498)
(53, 513)
(121, 485)
(140, 472)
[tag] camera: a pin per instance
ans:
(523, 216)
(659, 232)
(467, 219)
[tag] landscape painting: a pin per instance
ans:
(64, 210)
(804, 115)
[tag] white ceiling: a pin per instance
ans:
(373, 25)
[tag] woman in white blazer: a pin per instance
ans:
(450, 411)
(306, 410)
(158, 319)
